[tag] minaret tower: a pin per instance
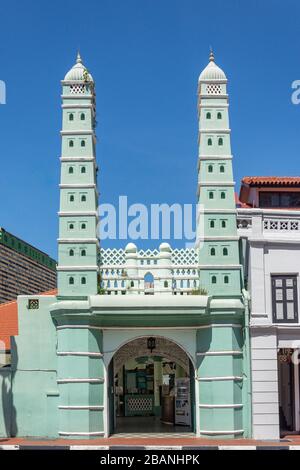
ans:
(220, 270)
(78, 245)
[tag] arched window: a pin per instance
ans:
(223, 195)
(82, 143)
(225, 251)
(214, 280)
(132, 284)
(71, 280)
(212, 224)
(71, 252)
(212, 252)
(71, 143)
(166, 284)
(223, 224)
(210, 168)
(71, 226)
(83, 280)
(222, 169)
(83, 169)
(209, 141)
(82, 117)
(83, 226)
(226, 279)
(83, 198)
(219, 115)
(220, 141)
(71, 117)
(71, 170)
(83, 252)
(211, 195)
(71, 198)
(208, 115)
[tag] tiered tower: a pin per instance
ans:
(220, 270)
(78, 244)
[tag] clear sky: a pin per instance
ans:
(145, 56)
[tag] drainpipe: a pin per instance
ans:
(247, 365)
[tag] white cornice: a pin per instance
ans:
(219, 238)
(77, 268)
(212, 97)
(214, 157)
(78, 240)
(216, 183)
(77, 132)
(78, 159)
(217, 211)
(75, 106)
(78, 186)
(78, 214)
(214, 105)
(224, 267)
(212, 131)
(77, 97)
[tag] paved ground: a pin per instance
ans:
(146, 442)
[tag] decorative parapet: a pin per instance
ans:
(161, 271)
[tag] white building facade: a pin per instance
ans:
(271, 249)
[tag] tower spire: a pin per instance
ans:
(78, 59)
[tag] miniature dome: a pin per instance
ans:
(130, 248)
(78, 72)
(164, 247)
(212, 71)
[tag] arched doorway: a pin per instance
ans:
(151, 388)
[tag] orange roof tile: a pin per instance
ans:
(9, 319)
(271, 180)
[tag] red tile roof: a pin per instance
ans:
(271, 180)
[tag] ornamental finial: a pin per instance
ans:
(78, 60)
(211, 55)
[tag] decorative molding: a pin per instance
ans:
(227, 377)
(216, 183)
(78, 186)
(79, 353)
(215, 433)
(77, 159)
(87, 380)
(89, 327)
(79, 407)
(78, 240)
(220, 353)
(223, 325)
(78, 214)
(96, 433)
(212, 131)
(78, 106)
(220, 266)
(77, 132)
(77, 268)
(214, 105)
(240, 405)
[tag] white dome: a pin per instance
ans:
(164, 247)
(212, 71)
(130, 248)
(78, 72)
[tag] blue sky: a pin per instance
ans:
(145, 56)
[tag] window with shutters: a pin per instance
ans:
(284, 299)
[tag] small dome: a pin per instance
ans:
(212, 71)
(130, 248)
(78, 72)
(164, 247)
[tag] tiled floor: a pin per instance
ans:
(136, 426)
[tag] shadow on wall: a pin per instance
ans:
(8, 412)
